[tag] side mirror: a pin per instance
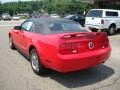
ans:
(17, 28)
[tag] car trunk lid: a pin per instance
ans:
(82, 42)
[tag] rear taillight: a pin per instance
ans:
(104, 43)
(102, 21)
(69, 48)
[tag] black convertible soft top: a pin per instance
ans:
(49, 25)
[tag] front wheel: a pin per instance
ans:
(36, 63)
(11, 44)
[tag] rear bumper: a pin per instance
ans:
(94, 26)
(68, 63)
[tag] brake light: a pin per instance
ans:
(105, 43)
(72, 36)
(102, 21)
(69, 48)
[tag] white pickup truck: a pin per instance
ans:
(103, 19)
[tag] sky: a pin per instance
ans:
(13, 0)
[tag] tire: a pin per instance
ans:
(111, 30)
(36, 63)
(11, 44)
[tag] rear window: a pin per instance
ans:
(108, 13)
(95, 13)
(64, 26)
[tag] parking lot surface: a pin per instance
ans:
(16, 72)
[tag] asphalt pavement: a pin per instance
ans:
(16, 72)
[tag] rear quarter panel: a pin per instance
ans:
(46, 45)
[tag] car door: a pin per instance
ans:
(27, 33)
(15, 36)
(25, 27)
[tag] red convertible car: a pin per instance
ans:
(59, 44)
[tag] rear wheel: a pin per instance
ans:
(11, 44)
(36, 63)
(111, 30)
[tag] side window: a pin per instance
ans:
(111, 13)
(24, 25)
(76, 17)
(81, 17)
(30, 24)
(27, 25)
(95, 13)
(115, 14)
(72, 17)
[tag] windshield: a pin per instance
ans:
(95, 13)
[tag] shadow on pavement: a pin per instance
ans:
(117, 32)
(82, 78)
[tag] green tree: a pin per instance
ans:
(51, 6)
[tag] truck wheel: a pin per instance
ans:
(111, 30)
